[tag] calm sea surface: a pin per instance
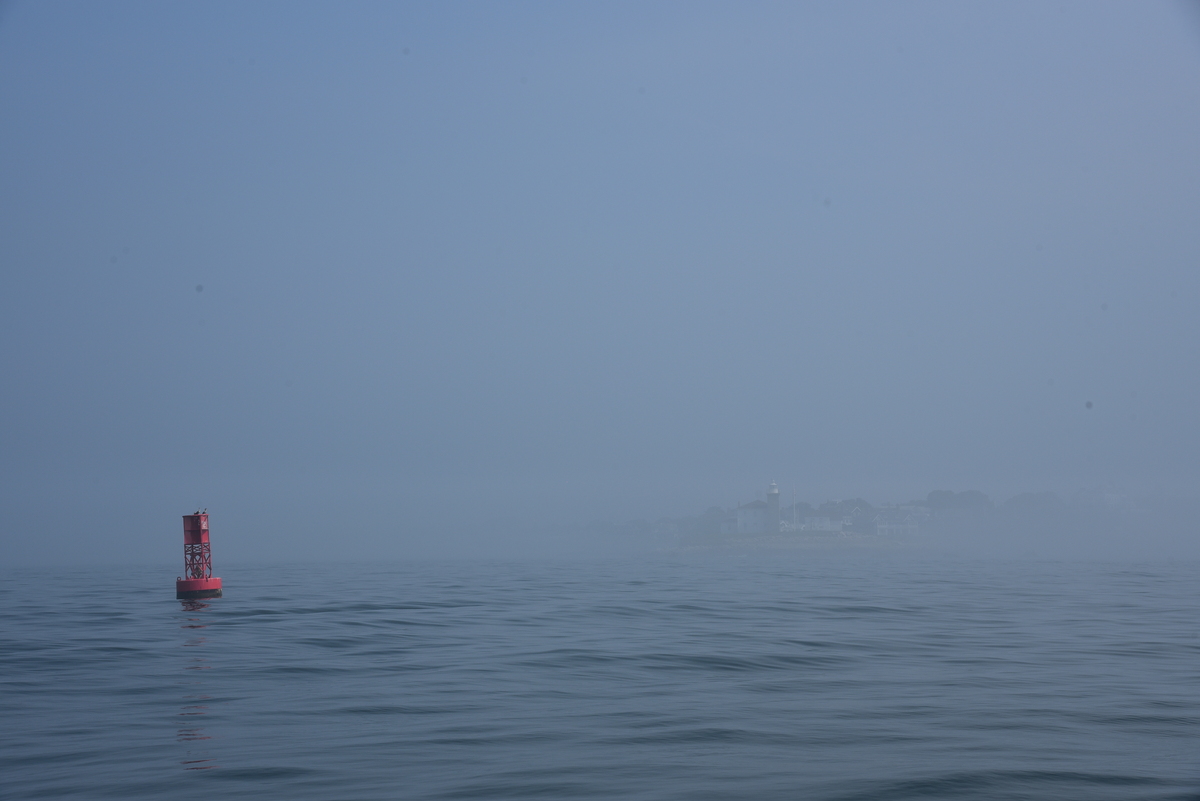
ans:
(672, 676)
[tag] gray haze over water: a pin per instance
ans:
(381, 280)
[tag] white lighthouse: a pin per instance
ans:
(760, 517)
(772, 509)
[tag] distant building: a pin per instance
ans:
(760, 517)
(752, 518)
(822, 524)
(918, 513)
(896, 522)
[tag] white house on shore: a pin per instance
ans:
(896, 522)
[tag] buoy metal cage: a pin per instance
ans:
(197, 580)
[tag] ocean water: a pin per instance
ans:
(669, 676)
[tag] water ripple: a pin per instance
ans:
(674, 677)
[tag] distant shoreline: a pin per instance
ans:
(796, 541)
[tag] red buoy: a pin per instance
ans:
(198, 580)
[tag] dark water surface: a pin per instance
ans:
(690, 676)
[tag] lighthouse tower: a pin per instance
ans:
(197, 580)
(772, 523)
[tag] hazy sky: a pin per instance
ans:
(511, 263)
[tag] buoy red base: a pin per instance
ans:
(186, 589)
